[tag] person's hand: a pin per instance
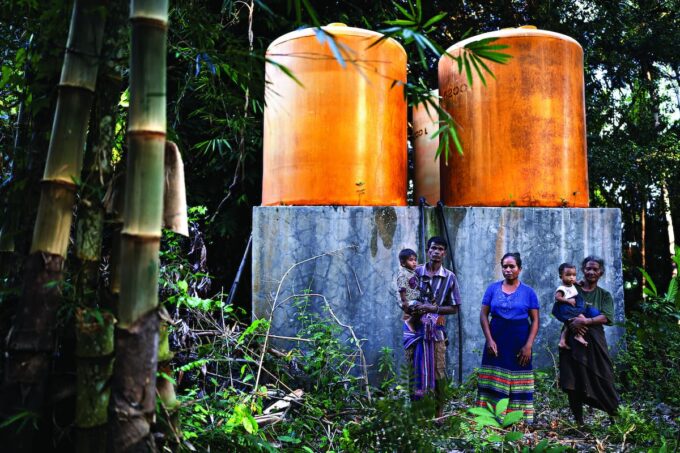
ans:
(578, 326)
(492, 348)
(571, 302)
(524, 355)
(421, 309)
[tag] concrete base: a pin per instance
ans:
(349, 256)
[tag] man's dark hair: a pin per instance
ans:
(437, 240)
(515, 256)
(406, 254)
(564, 266)
(594, 258)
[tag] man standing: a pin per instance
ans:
(425, 347)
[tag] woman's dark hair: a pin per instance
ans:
(515, 256)
(406, 254)
(594, 258)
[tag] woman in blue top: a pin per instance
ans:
(506, 370)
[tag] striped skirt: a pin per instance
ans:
(502, 376)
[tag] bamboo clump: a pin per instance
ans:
(133, 390)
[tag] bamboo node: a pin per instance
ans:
(150, 21)
(141, 237)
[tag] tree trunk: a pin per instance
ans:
(133, 386)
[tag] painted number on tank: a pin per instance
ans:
(455, 90)
(420, 132)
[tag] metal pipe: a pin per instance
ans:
(234, 286)
(440, 211)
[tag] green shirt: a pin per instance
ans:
(601, 299)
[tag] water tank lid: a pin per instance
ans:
(523, 31)
(335, 28)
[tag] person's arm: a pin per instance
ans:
(449, 305)
(559, 297)
(580, 325)
(525, 353)
(484, 321)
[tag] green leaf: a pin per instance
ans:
(501, 406)
(403, 11)
(468, 71)
(482, 411)
(433, 20)
(311, 12)
(495, 438)
(289, 439)
(512, 417)
(249, 424)
(285, 70)
(477, 70)
(487, 421)
(540, 447)
(182, 285)
(401, 22)
(513, 436)
(649, 281)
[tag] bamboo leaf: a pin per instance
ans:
(496, 57)
(477, 70)
(649, 281)
(482, 64)
(403, 11)
(401, 22)
(468, 71)
(433, 20)
(285, 70)
(311, 12)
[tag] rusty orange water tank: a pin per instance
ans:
(337, 135)
(524, 134)
(426, 168)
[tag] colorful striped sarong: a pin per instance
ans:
(423, 366)
(502, 376)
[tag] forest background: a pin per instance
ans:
(215, 100)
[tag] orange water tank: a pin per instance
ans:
(524, 134)
(426, 168)
(337, 135)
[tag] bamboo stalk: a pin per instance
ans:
(133, 386)
(69, 130)
(94, 351)
(31, 340)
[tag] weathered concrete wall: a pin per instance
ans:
(359, 247)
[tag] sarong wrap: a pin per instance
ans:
(502, 376)
(422, 341)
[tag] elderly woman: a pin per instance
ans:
(586, 373)
(506, 370)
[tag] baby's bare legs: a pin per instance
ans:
(563, 340)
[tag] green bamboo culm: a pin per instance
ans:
(69, 130)
(133, 386)
(31, 341)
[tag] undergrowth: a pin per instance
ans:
(311, 393)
